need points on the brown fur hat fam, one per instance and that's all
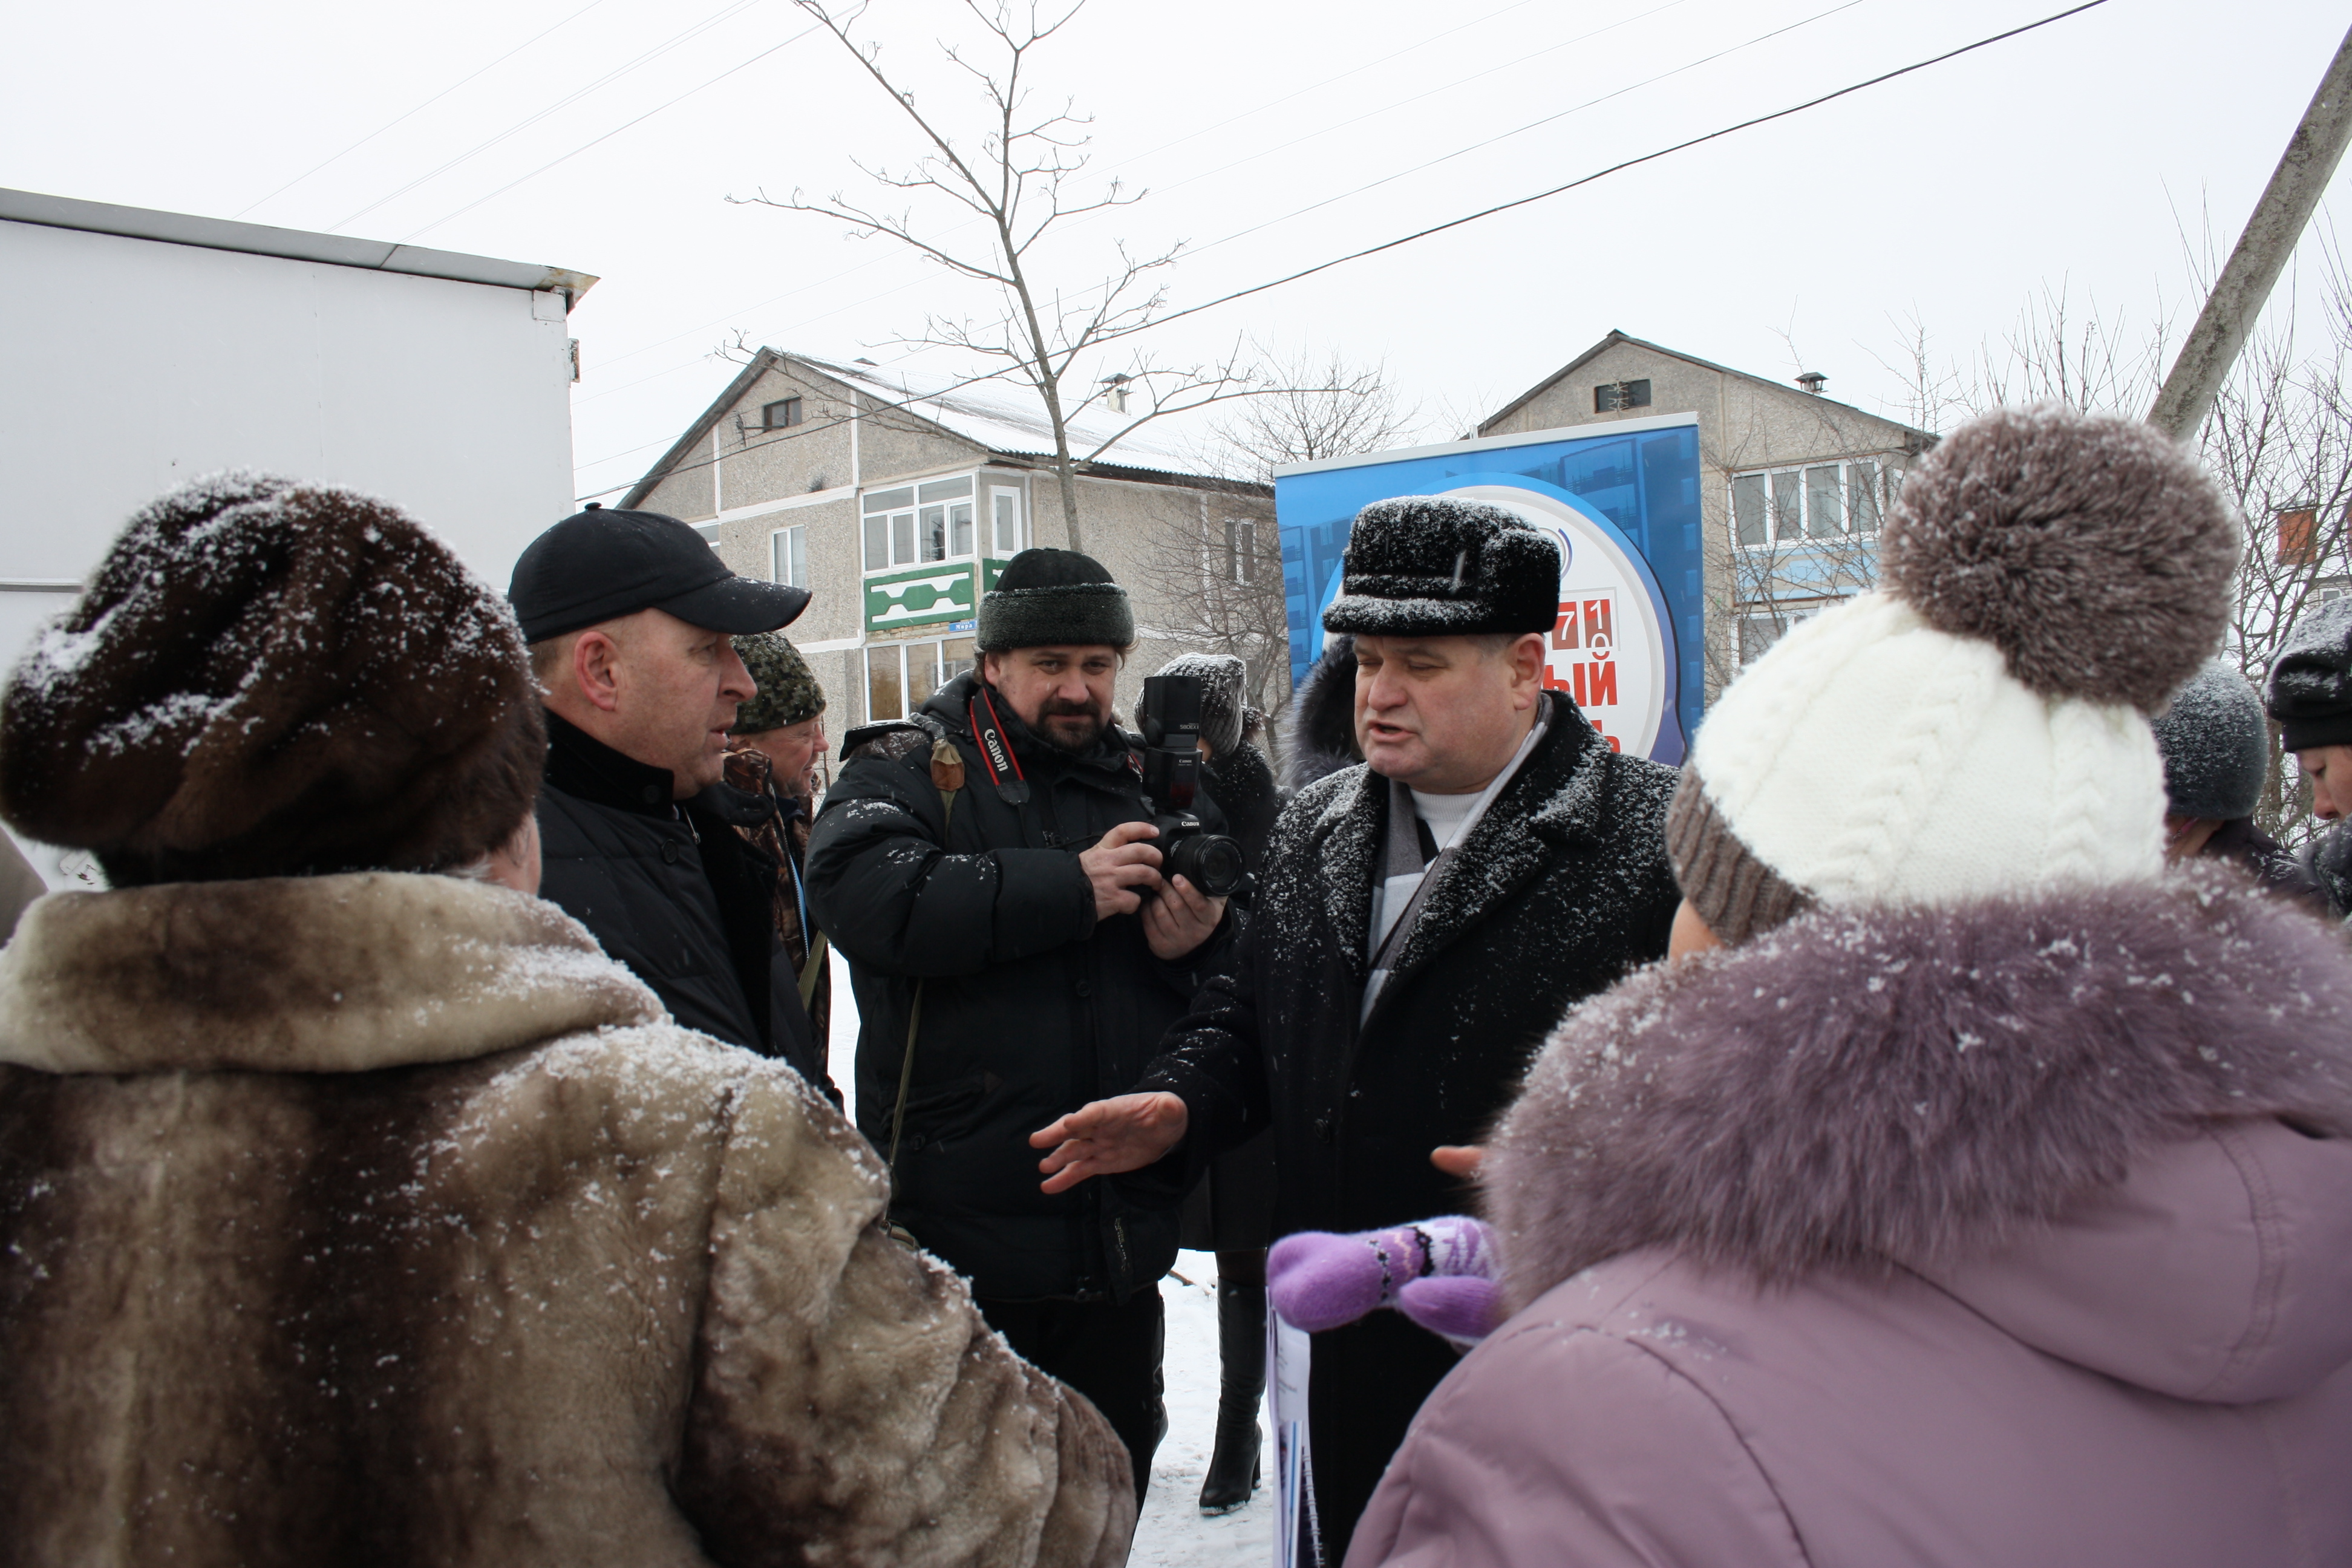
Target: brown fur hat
(269, 678)
(2093, 551)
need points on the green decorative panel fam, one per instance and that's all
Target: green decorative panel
(921, 597)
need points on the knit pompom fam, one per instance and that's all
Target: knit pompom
(2093, 551)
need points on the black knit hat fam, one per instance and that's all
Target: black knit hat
(2216, 748)
(1442, 566)
(1055, 598)
(2310, 691)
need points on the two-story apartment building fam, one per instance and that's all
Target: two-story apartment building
(1793, 484)
(897, 500)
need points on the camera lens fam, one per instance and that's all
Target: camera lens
(1211, 862)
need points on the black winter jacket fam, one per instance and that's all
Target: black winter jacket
(1031, 1007)
(673, 892)
(1560, 888)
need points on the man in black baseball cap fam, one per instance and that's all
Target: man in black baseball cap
(629, 617)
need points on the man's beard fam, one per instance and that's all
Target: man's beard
(1059, 739)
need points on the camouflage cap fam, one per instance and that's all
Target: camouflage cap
(788, 690)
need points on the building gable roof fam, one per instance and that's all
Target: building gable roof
(999, 421)
(1616, 337)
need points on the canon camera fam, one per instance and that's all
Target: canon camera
(1170, 721)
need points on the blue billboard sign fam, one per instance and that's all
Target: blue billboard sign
(1622, 500)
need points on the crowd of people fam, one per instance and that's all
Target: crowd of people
(1918, 1130)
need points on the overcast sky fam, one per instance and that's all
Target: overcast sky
(2072, 157)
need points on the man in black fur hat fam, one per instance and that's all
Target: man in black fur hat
(987, 868)
(1423, 918)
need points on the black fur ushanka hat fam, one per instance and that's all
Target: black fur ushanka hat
(1443, 566)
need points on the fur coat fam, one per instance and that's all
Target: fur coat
(381, 1219)
(2015, 1233)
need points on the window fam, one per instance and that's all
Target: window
(1005, 511)
(778, 414)
(2298, 536)
(917, 523)
(710, 531)
(789, 554)
(901, 677)
(1612, 395)
(1820, 500)
(1760, 624)
(1240, 550)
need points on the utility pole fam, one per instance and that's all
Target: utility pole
(2247, 277)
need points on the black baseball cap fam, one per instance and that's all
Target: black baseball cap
(598, 565)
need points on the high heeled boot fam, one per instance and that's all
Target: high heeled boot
(1241, 1356)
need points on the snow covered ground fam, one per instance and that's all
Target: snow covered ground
(1171, 1534)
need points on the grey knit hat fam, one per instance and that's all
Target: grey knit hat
(2217, 750)
(789, 691)
(1224, 717)
(1055, 598)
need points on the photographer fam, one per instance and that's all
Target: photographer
(988, 869)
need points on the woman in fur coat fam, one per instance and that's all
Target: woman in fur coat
(1969, 1190)
(355, 1208)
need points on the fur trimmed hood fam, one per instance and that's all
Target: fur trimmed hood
(1862, 1090)
(1321, 738)
(346, 973)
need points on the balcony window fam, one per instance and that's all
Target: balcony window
(915, 524)
(902, 676)
(1817, 501)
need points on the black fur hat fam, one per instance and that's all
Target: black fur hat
(1055, 597)
(2216, 747)
(1442, 566)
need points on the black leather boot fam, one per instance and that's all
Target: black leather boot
(1241, 1355)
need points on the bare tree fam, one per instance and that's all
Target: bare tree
(1320, 407)
(1216, 579)
(1020, 177)
(2278, 440)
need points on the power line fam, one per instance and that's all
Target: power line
(640, 120)
(418, 110)
(1149, 154)
(605, 81)
(1619, 167)
(1484, 212)
(1522, 130)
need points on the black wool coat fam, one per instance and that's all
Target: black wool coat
(1031, 1006)
(675, 893)
(1560, 888)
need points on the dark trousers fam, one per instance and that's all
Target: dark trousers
(1109, 1351)
(1364, 1384)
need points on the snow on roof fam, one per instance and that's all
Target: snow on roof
(1006, 416)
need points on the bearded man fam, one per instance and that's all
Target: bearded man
(986, 867)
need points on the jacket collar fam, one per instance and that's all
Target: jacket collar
(1556, 800)
(585, 768)
(1866, 1088)
(345, 973)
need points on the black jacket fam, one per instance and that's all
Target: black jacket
(1031, 1007)
(674, 893)
(1561, 887)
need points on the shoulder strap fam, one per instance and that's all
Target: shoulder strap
(946, 778)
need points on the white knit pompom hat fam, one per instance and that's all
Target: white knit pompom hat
(1977, 725)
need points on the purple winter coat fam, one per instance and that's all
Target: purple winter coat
(2012, 1235)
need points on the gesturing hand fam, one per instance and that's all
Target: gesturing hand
(1126, 1132)
(1180, 919)
(1117, 866)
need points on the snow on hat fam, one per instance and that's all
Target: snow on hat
(789, 692)
(2310, 691)
(1976, 726)
(1443, 566)
(1225, 716)
(270, 678)
(1046, 598)
(2216, 747)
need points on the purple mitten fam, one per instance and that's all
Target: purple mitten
(1321, 1281)
(1462, 1308)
